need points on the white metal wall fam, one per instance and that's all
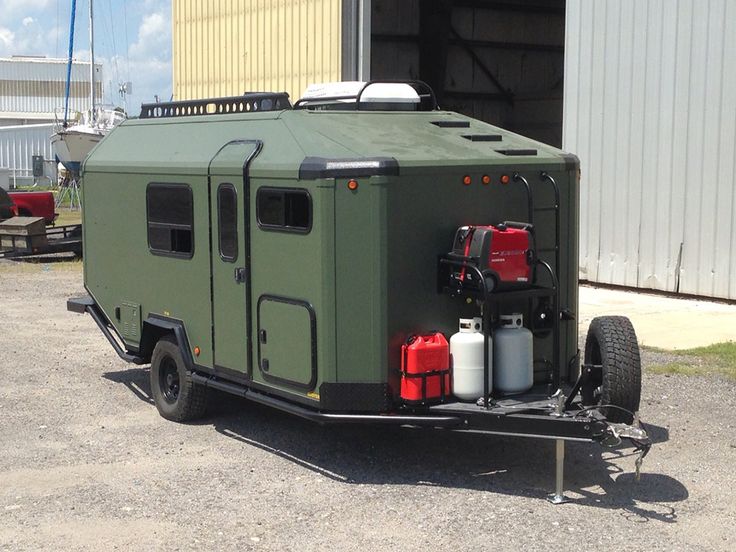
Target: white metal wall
(38, 86)
(650, 108)
(18, 144)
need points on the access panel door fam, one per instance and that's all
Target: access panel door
(230, 247)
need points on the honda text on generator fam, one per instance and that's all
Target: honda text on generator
(359, 257)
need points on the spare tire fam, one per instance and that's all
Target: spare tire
(612, 344)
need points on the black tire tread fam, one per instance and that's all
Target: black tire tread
(619, 350)
(192, 400)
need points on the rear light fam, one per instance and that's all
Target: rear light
(486, 179)
(352, 185)
(505, 179)
(467, 180)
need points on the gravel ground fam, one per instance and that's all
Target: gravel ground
(87, 463)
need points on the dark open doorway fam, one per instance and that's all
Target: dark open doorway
(499, 61)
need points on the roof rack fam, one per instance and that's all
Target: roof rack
(249, 102)
(427, 99)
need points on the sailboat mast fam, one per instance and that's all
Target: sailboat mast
(91, 63)
(69, 61)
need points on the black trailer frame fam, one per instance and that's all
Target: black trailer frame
(59, 239)
(534, 414)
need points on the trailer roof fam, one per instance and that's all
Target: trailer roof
(416, 140)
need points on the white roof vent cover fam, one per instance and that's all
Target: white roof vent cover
(378, 92)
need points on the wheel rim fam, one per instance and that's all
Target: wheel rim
(168, 380)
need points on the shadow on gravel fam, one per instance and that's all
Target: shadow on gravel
(136, 380)
(404, 456)
(378, 455)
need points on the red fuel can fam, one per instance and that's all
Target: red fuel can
(425, 369)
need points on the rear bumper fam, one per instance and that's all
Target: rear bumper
(86, 304)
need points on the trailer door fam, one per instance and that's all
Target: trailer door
(230, 250)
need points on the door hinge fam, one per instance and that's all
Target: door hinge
(240, 275)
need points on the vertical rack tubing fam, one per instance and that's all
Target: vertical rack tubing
(555, 325)
(530, 219)
(546, 176)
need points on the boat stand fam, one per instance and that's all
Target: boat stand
(70, 189)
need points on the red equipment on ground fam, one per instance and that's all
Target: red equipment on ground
(425, 369)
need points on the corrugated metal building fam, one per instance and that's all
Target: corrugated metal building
(226, 48)
(648, 100)
(650, 108)
(18, 145)
(33, 89)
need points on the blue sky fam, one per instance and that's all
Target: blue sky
(132, 40)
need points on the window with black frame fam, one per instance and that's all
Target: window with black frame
(170, 218)
(284, 209)
(227, 225)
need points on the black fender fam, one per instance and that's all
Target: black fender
(156, 326)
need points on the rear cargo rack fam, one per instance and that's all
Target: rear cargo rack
(250, 102)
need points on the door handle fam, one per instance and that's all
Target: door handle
(240, 274)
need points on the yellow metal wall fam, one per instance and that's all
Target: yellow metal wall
(227, 47)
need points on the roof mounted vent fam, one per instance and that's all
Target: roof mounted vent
(368, 96)
(452, 124)
(483, 137)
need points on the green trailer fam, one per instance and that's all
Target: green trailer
(285, 253)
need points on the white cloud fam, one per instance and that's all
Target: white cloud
(7, 39)
(150, 56)
(154, 36)
(29, 39)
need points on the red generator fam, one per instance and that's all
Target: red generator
(425, 369)
(503, 253)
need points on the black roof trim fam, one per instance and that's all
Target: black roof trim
(319, 167)
(517, 152)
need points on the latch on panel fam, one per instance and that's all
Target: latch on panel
(240, 274)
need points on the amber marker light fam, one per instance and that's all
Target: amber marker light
(197, 351)
(352, 185)
(467, 180)
(486, 179)
(505, 179)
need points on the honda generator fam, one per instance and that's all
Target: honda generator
(502, 253)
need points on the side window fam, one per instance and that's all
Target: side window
(170, 217)
(227, 217)
(284, 209)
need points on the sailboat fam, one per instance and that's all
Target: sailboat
(72, 141)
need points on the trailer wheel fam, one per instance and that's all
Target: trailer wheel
(176, 396)
(612, 344)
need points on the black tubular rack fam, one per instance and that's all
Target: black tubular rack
(427, 99)
(491, 300)
(250, 102)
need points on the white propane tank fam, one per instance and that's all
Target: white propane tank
(466, 349)
(513, 362)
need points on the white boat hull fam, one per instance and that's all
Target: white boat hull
(71, 147)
